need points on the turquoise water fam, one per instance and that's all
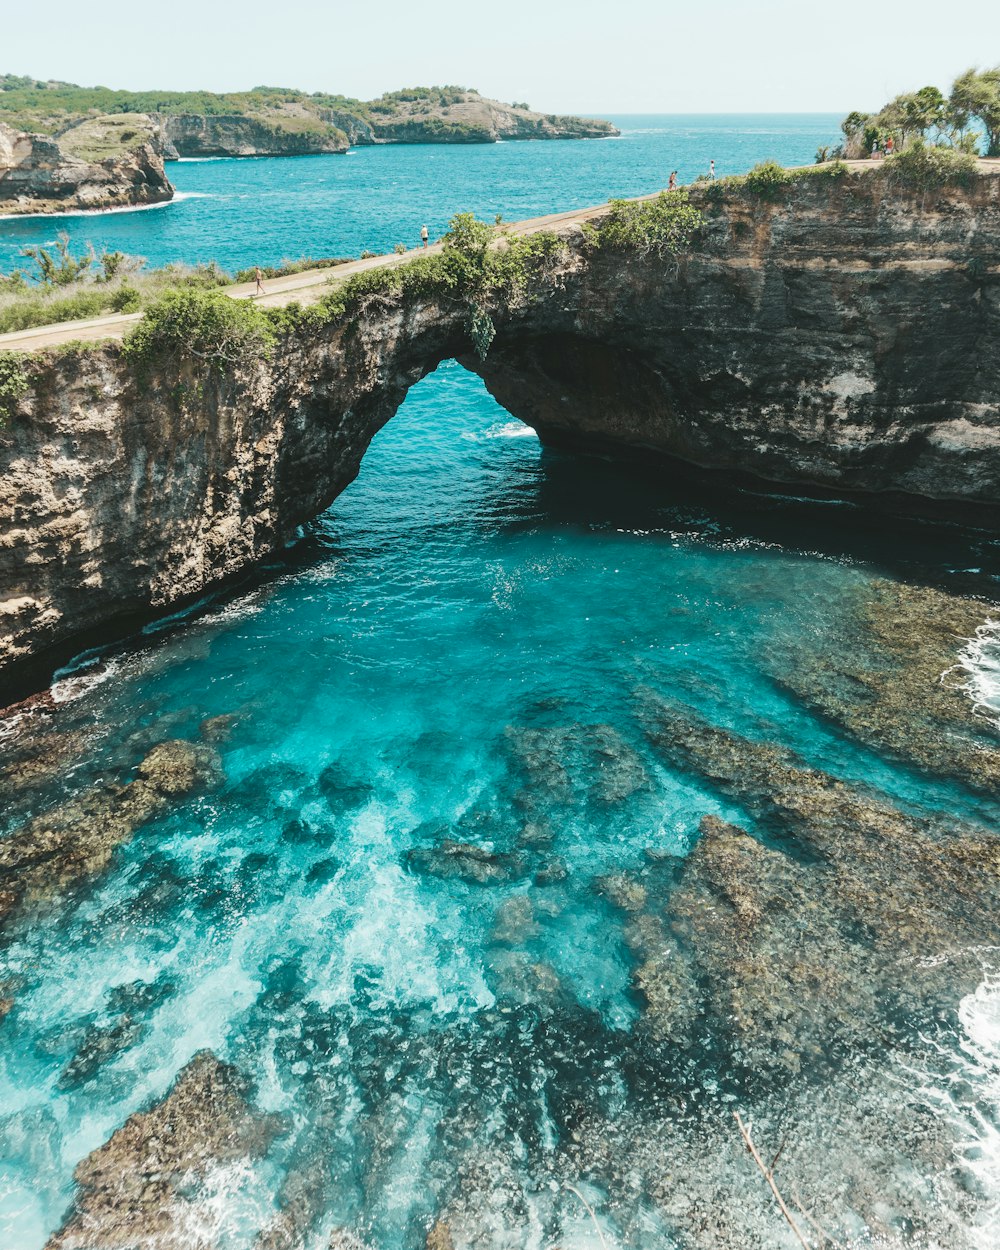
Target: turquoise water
(242, 212)
(454, 649)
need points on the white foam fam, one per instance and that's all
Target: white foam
(979, 661)
(104, 212)
(962, 1085)
(979, 1148)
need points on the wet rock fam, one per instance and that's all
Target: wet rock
(140, 997)
(552, 872)
(302, 1199)
(624, 890)
(178, 767)
(465, 862)
(133, 1192)
(75, 842)
(343, 789)
(515, 921)
(323, 871)
(807, 950)
(439, 1237)
(100, 1044)
(574, 764)
(301, 832)
(218, 728)
(885, 670)
(536, 833)
(342, 1239)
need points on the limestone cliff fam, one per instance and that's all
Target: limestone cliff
(471, 118)
(841, 336)
(110, 162)
(276, 134)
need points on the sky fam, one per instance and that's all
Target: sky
(580, 56)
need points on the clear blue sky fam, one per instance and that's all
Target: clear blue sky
(612, 56)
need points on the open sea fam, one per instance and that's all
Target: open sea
(470, 603)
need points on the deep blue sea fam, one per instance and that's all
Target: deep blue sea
(469, 594)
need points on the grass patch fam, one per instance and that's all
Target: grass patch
(62, 287)
(103, 138)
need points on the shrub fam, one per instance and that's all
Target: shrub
(661, 227)
(62, 268)
(400, 249)
(13, 384)
(205, 326)
(766, 179)
(926, 167)
(126, 300)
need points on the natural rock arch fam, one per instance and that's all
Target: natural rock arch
(842, 338)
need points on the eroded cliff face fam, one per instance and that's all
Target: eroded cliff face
(197, 134)
(841, 337)
(43, 175)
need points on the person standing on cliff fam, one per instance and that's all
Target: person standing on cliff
(711, 170)
(258, 277)
(672, 184)
(425, 236)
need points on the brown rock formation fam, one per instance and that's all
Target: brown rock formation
(75, 842)
(833, 338)
(133, 1190)
(102, 163)
(284, 134)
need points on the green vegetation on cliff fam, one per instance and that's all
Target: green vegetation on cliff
(662, 226)
(13, 383)
(415, 114)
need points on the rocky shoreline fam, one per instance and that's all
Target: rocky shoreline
(39, 174)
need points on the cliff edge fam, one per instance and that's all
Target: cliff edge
(102, 162)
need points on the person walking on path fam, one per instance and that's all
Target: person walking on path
(672, 184)
(874, 149)
(258, 278)
(425, 236)
(711, 170)
(890, 145)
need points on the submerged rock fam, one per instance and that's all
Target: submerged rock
(133, 1192)
(75, 841)
(885, 669)
(856, 918)
(465, 862)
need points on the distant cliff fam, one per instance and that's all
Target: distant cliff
(274, 121)
(108, 162)
(236, 134)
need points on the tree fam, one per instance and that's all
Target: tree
(976, 93)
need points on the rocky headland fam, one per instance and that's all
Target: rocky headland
(100, 163)
(277, 122)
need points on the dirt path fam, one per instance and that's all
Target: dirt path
(310, 285)
(303, 288)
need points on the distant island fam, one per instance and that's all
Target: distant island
(65, 147)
